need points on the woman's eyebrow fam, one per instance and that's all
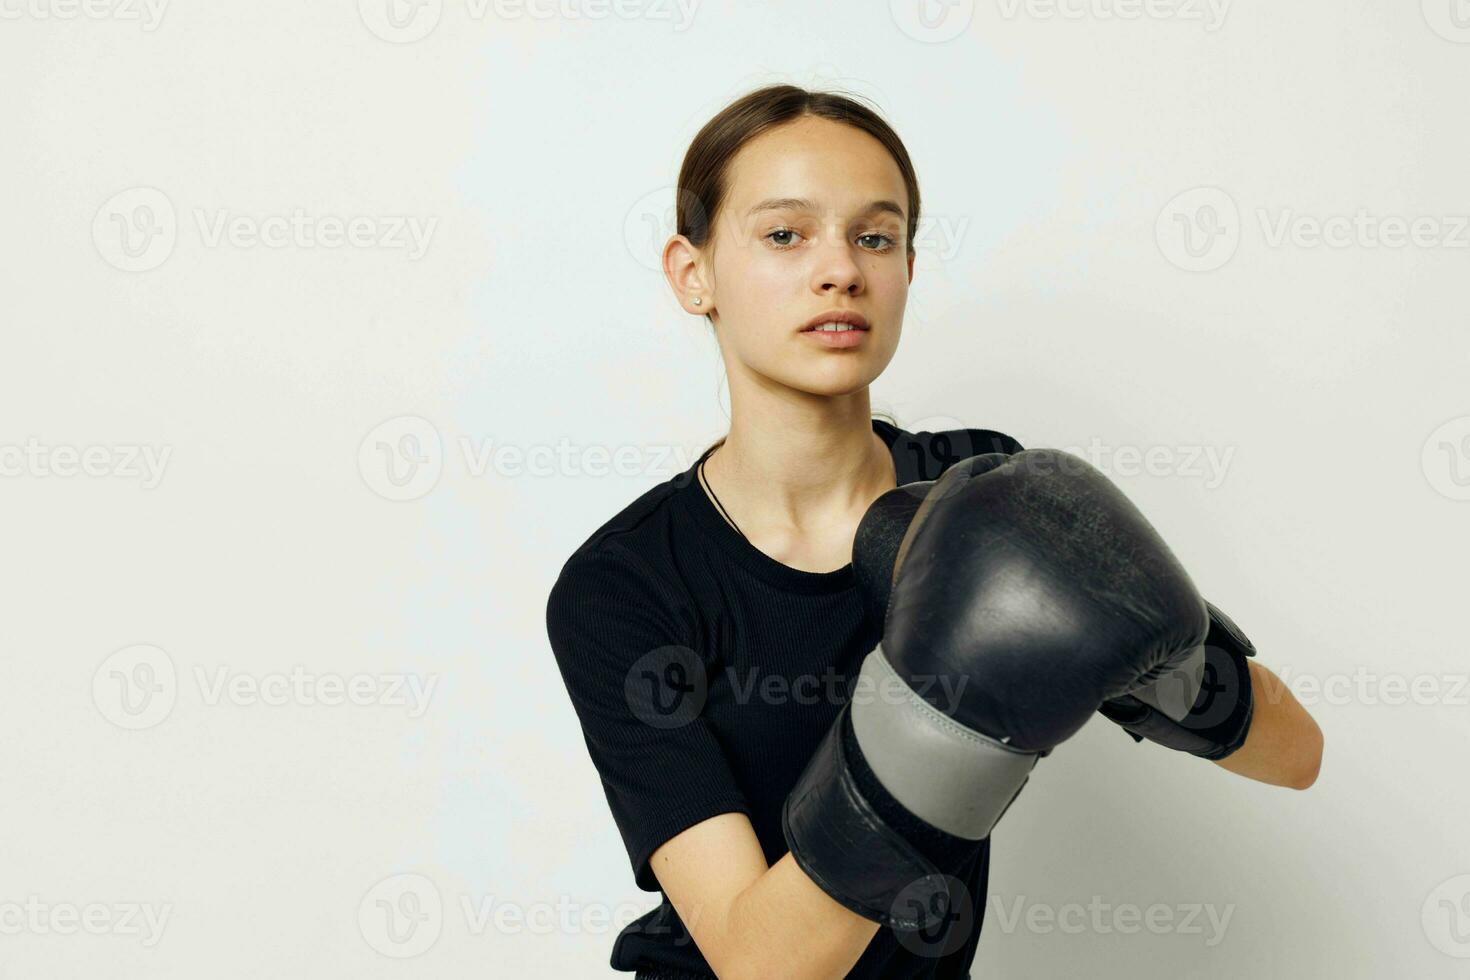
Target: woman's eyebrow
(802, 204)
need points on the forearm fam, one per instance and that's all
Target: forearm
(1284, 744)
(786, 926)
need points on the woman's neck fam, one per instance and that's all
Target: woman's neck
(806, 467)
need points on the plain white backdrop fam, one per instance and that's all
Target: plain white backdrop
(329, 330)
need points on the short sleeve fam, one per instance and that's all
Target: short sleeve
(622, 642)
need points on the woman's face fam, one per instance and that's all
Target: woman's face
(804, 231)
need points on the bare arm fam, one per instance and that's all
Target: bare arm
(750, 919)
(1284, 744)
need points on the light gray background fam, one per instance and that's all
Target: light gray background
(336, 428)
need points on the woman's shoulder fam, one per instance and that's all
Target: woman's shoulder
(633, 551)
(620, 593)
(617, 542)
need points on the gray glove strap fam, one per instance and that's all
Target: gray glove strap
(845, 846)
(951, 776)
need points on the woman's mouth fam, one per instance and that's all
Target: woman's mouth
(836, 336)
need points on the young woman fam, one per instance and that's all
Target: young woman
(709, 633)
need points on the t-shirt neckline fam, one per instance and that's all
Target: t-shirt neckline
(739, 549)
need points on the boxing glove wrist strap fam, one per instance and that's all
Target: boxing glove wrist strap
(945, 782)
(838, 838)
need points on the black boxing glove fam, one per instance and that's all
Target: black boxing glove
(1033, 590)
(1204, 707)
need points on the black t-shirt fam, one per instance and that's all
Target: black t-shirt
(704, 673)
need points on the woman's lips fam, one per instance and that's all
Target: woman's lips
(837, 339)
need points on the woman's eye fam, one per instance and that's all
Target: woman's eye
(877, 241)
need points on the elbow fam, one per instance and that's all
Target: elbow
(734, 964)
(1305, 779)
(738, 955)
(744, 971)
(748, 964)
(730, 953)
(1311, 765)
(755, 961)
